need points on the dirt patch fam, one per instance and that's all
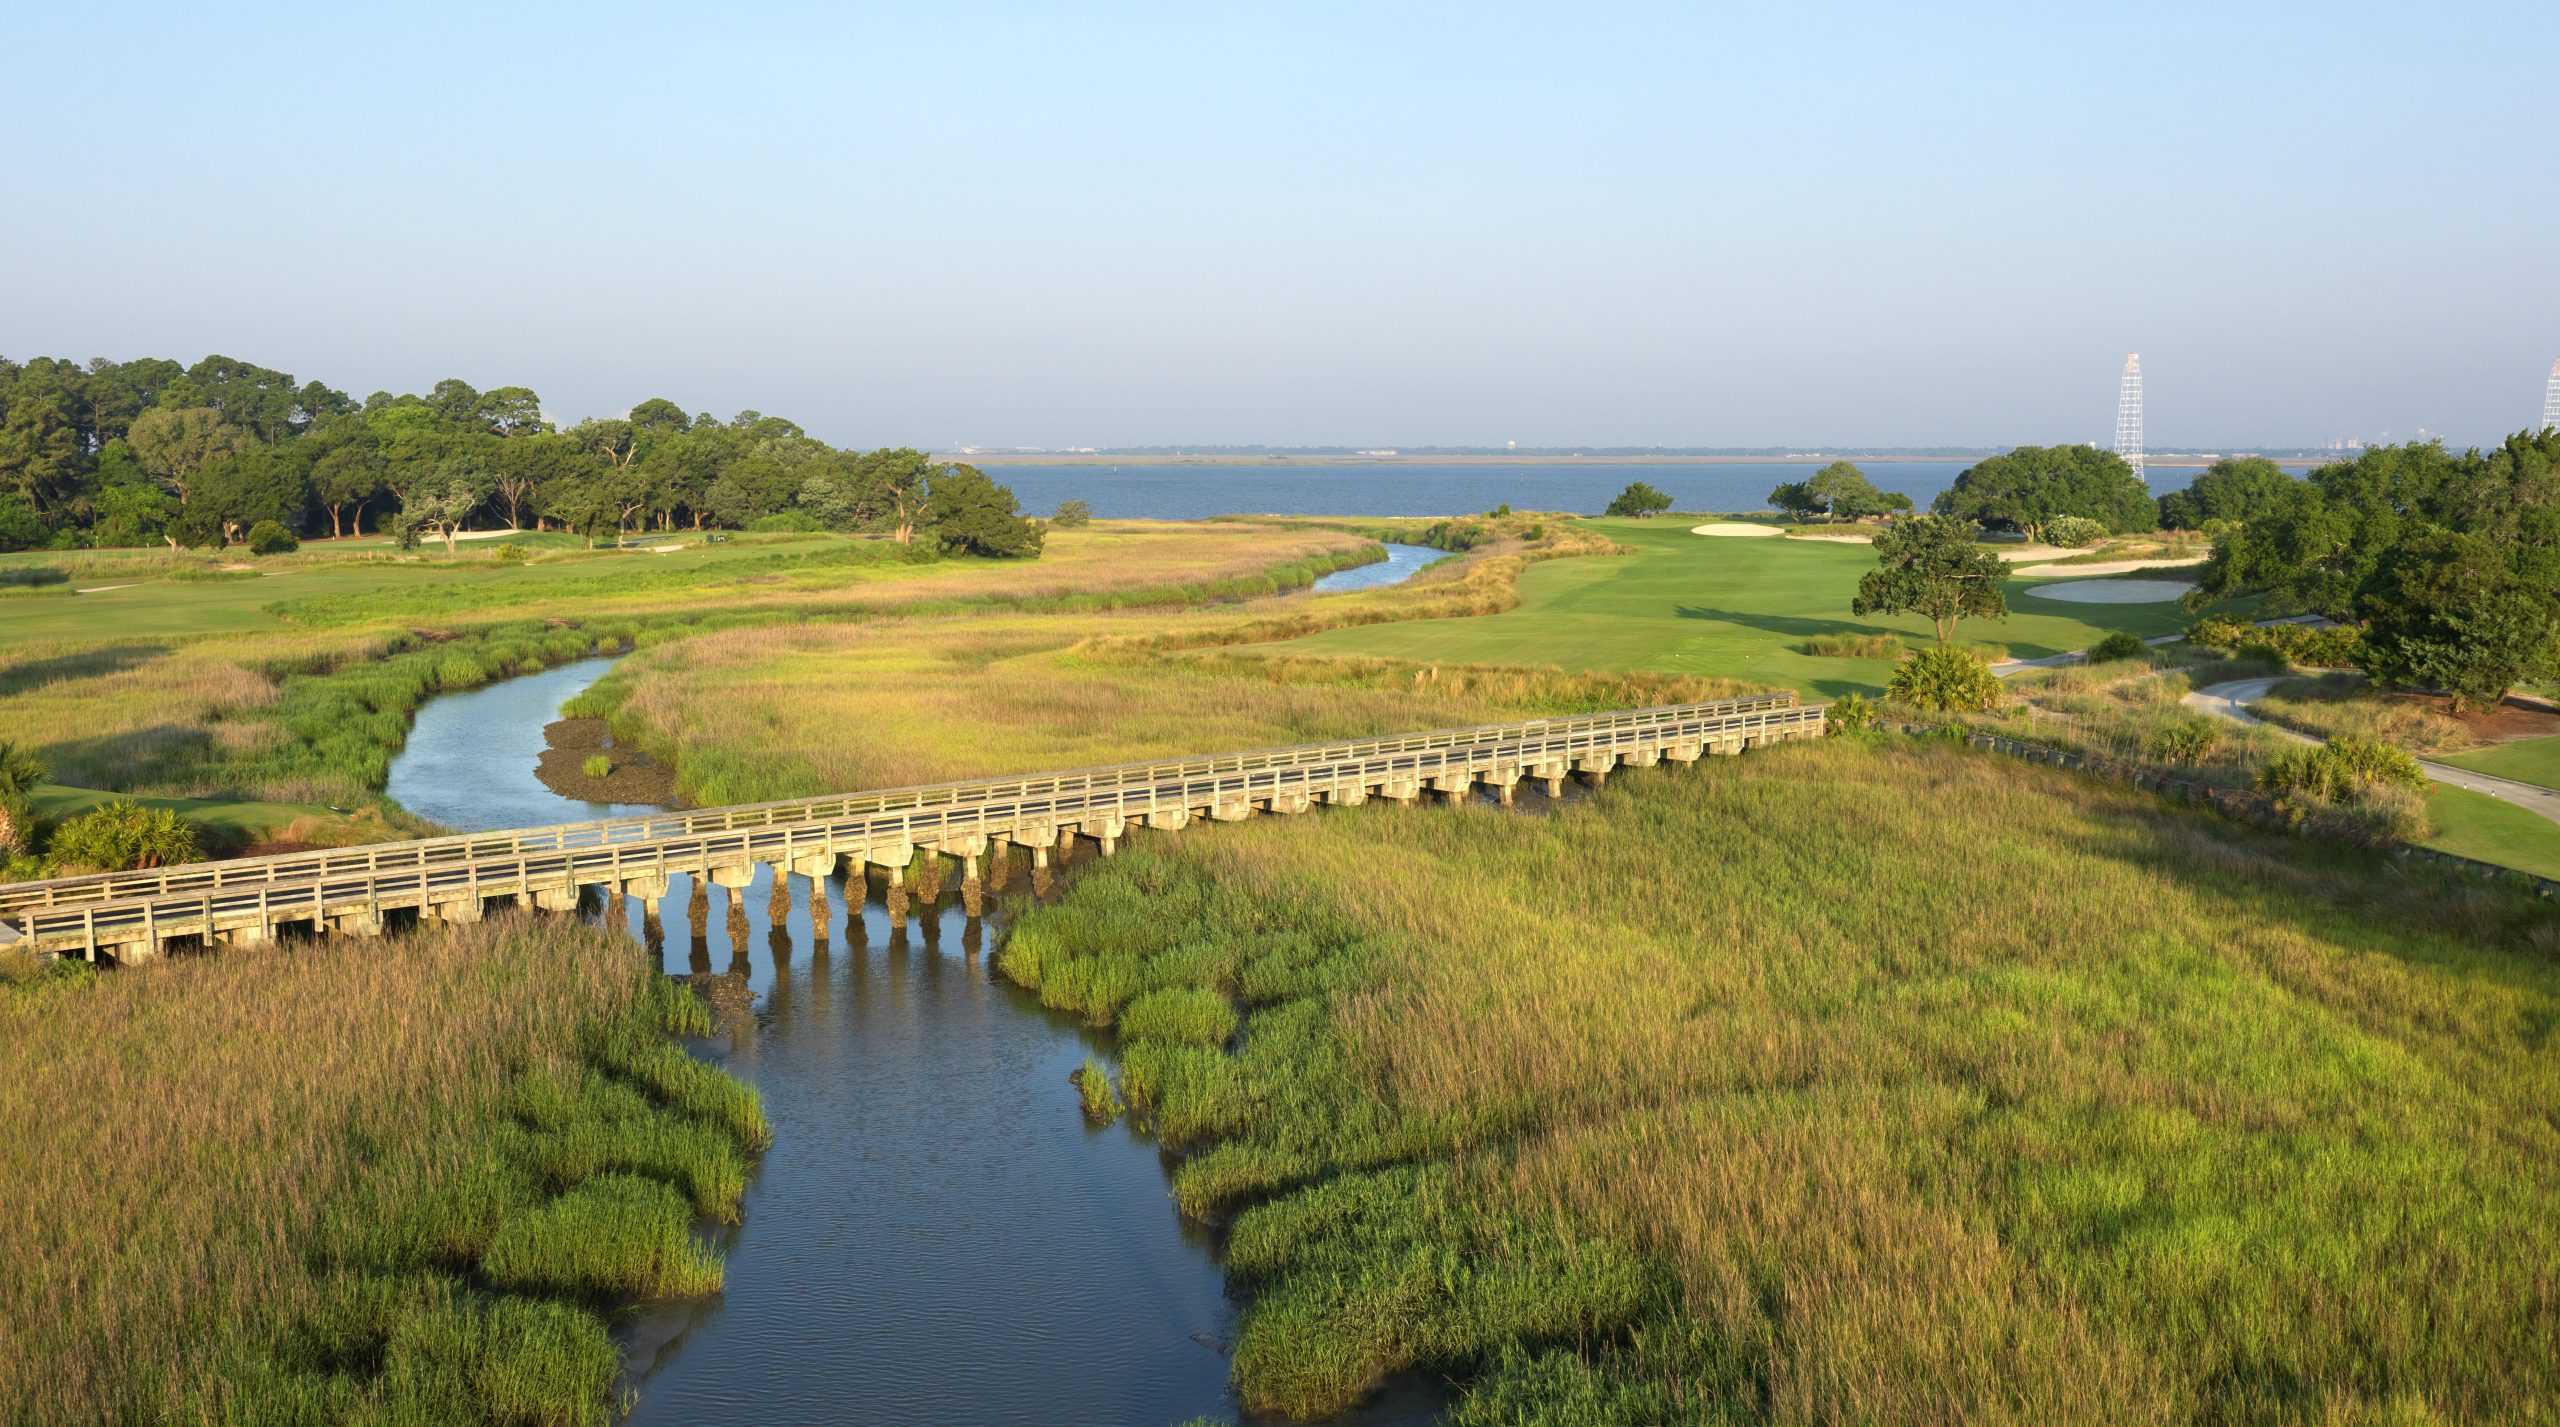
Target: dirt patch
(635, 776)
(2512, 720)
(276, 848)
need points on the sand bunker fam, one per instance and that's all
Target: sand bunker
(2113, 567)
(1733, 527)
(2112, 591)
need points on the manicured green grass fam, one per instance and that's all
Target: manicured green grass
(1865, 1081)
(2530, 760)
(221, 824)
(1730, 608)
(2488, 829)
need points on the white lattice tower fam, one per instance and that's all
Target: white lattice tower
(2129, 412)
(2551, 397)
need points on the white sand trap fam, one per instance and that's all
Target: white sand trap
(1733, 527)
(2113, 567)
(2112, 591)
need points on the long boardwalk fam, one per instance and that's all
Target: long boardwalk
(130, 915)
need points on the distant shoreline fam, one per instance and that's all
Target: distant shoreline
(1057, 458)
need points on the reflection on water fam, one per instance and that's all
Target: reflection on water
(1403, 562)
(937, 1235)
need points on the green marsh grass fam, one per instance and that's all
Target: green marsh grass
(1877, 1080)
(389, 1181)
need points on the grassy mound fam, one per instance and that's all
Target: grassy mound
(1879, 1082)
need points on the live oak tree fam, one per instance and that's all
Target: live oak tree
(1839, 491)
(969, 512)
(1639, 499)
(1935, 567)
(2027, 488)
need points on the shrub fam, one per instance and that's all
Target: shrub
(1944, 680)
(1850, 713)
(2118, 645)
(2076, 531)
(32, 575)
(269, 538)
(120, 837)
(2335, 646)
(1072, 513)
(1851, 646)
(598, 766)
(2337, 771)
(511, 555)
(2186, 741)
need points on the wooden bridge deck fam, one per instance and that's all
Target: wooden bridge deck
(349, 889)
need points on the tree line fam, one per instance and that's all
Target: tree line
(133, 453)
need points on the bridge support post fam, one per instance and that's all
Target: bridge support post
(929, 877)
(777, 903)
(1040, 878)
(558, 899)
(973, 896)
(999, 863)
(366, 923)
(254, 934)
(897, 896)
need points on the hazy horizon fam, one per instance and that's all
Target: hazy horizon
(1634, 226)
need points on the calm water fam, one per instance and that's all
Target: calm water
(1403, 562)
(937, 1235)
(1176, 492)
(470, 757)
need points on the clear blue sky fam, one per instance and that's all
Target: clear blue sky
(1310, 224)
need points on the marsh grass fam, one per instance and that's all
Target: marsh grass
(764, 714)
(314, 712)
(391, 1181)
(2346, 706)
(1939, 1088)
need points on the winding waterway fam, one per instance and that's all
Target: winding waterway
(937, 1235)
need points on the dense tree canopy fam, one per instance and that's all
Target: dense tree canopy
(2234, 490)
(2451, 563)
(1839, 491)
(2027, 488)
(127, 453)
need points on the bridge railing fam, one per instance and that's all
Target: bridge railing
(928, 809)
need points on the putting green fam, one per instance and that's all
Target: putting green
(1737, 609)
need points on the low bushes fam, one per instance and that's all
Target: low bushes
(2076, 532)
(2118, 646)
(1851, 646)
(1944, 680)
(2335, 646)
(269, 538)
(120, 837)
(2350, 785)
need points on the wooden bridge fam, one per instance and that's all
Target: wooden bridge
(129, 915)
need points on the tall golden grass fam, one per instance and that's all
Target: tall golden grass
(219, 1165)
(798, 711)
(1877, 1083)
